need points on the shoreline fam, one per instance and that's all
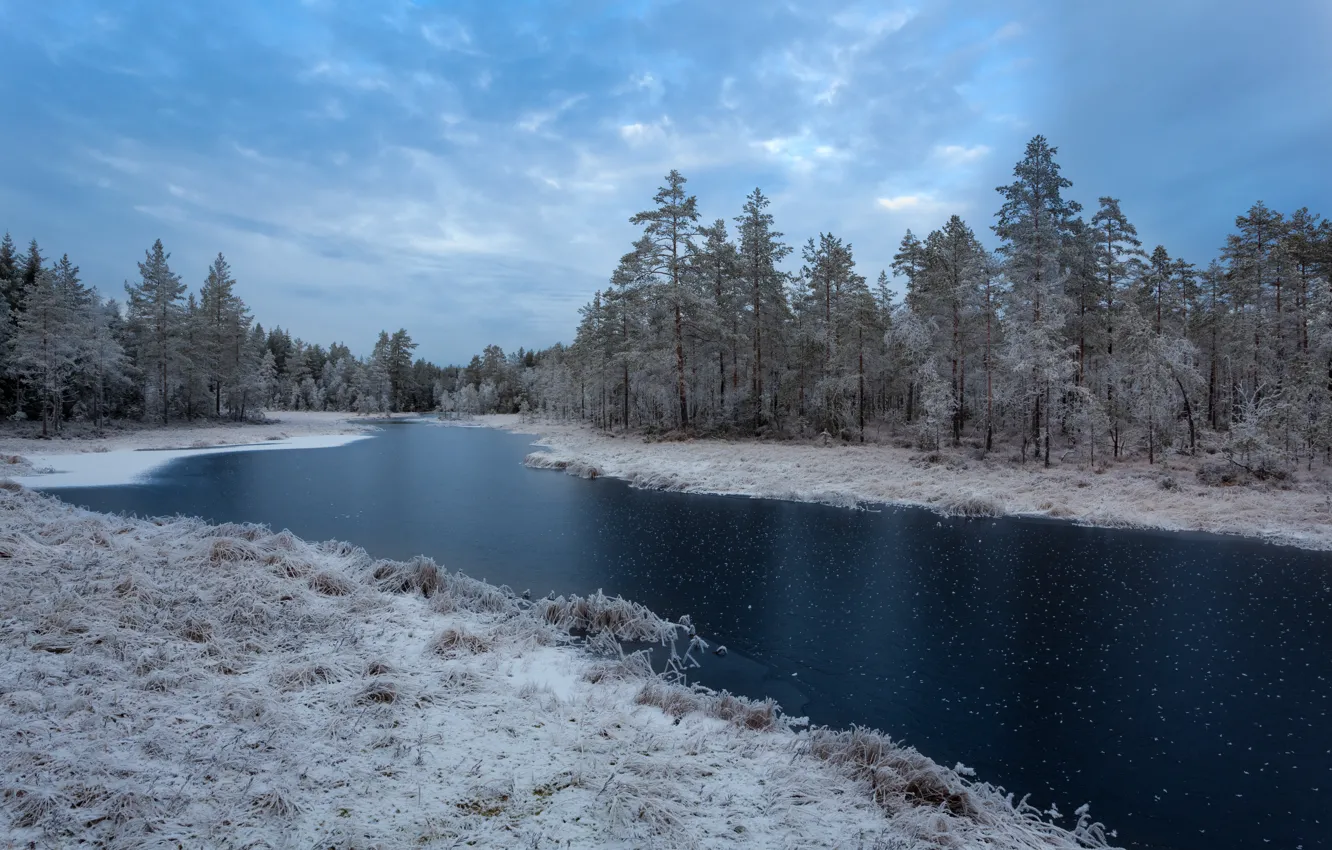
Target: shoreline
(1166, 497)
(231, 686)
(129, 451)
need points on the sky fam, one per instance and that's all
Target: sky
(467, 170)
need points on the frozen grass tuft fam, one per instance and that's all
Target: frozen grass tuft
(275, 804)
(971, 505)
(380, 691)
(618, 617)
(169, 683)
(574, 467)
(330, 584)
(453, 642)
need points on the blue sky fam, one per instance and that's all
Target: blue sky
(467, 169)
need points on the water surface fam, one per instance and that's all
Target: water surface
(1179, 682)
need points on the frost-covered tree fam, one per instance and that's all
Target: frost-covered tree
(1034, 225)
(224, 332)
(662, 256)
(45, 347)
(761, 250)
(156, 316)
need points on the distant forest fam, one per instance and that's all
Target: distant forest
(1070, 340)
(69, 354)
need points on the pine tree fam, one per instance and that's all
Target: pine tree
(1119, 259)
(44, 344)
(225, 330)
(717, 264)
(760, 250)
(157, 315)
(399, 364)
(1034, 223)
(663, 254)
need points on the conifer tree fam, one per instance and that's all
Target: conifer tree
(156, 315)
(663, 255)
(1034, 223)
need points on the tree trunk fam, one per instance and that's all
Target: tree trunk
(680, 369)
(1188, 412)
(860, 344)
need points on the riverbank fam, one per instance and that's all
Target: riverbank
(171, 682)
(1168, 495)
(23, 438)
(81, 457)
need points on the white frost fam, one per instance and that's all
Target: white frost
(106, 469)
(170, 683)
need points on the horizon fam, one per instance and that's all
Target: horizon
(470, 176)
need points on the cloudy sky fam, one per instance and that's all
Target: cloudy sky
(467, 169)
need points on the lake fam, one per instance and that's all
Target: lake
(1179, 682)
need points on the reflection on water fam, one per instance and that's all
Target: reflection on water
(1179, 682)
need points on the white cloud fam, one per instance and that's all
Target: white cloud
(872, 23)
(904, 202)
(639, 133)
(532, 122)
(650, 83)
(958, 155)
(447, 35)
(801, 152)
(922, 210)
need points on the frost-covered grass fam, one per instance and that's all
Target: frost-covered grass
(169, 683)
(1170, 495)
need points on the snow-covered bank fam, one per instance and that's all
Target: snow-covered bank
(1166, 496)
(103, 469)
(129, 452)
(22, 439)
(169, 683)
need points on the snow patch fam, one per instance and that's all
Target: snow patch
(109, 469)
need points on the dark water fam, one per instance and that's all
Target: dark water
(1181, 683)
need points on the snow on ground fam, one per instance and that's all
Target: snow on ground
(167, 683)
(1166, 495)
(126, 452)
(23, 439)
(103, 469)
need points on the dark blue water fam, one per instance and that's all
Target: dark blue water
(1179, 682)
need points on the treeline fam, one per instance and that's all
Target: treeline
(1070, 340)
(67, 353)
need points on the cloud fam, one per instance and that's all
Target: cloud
(638, 133)
(533, 122)
(448, 35)
(905, 202)
(958, 155)
(477, 169)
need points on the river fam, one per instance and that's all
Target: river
(1179, 682)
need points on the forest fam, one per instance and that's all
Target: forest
(70, 354)
(1068, 341)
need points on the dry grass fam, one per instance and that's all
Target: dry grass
(187, 689)
(971, 506)
(453, 642)
(330, 584)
